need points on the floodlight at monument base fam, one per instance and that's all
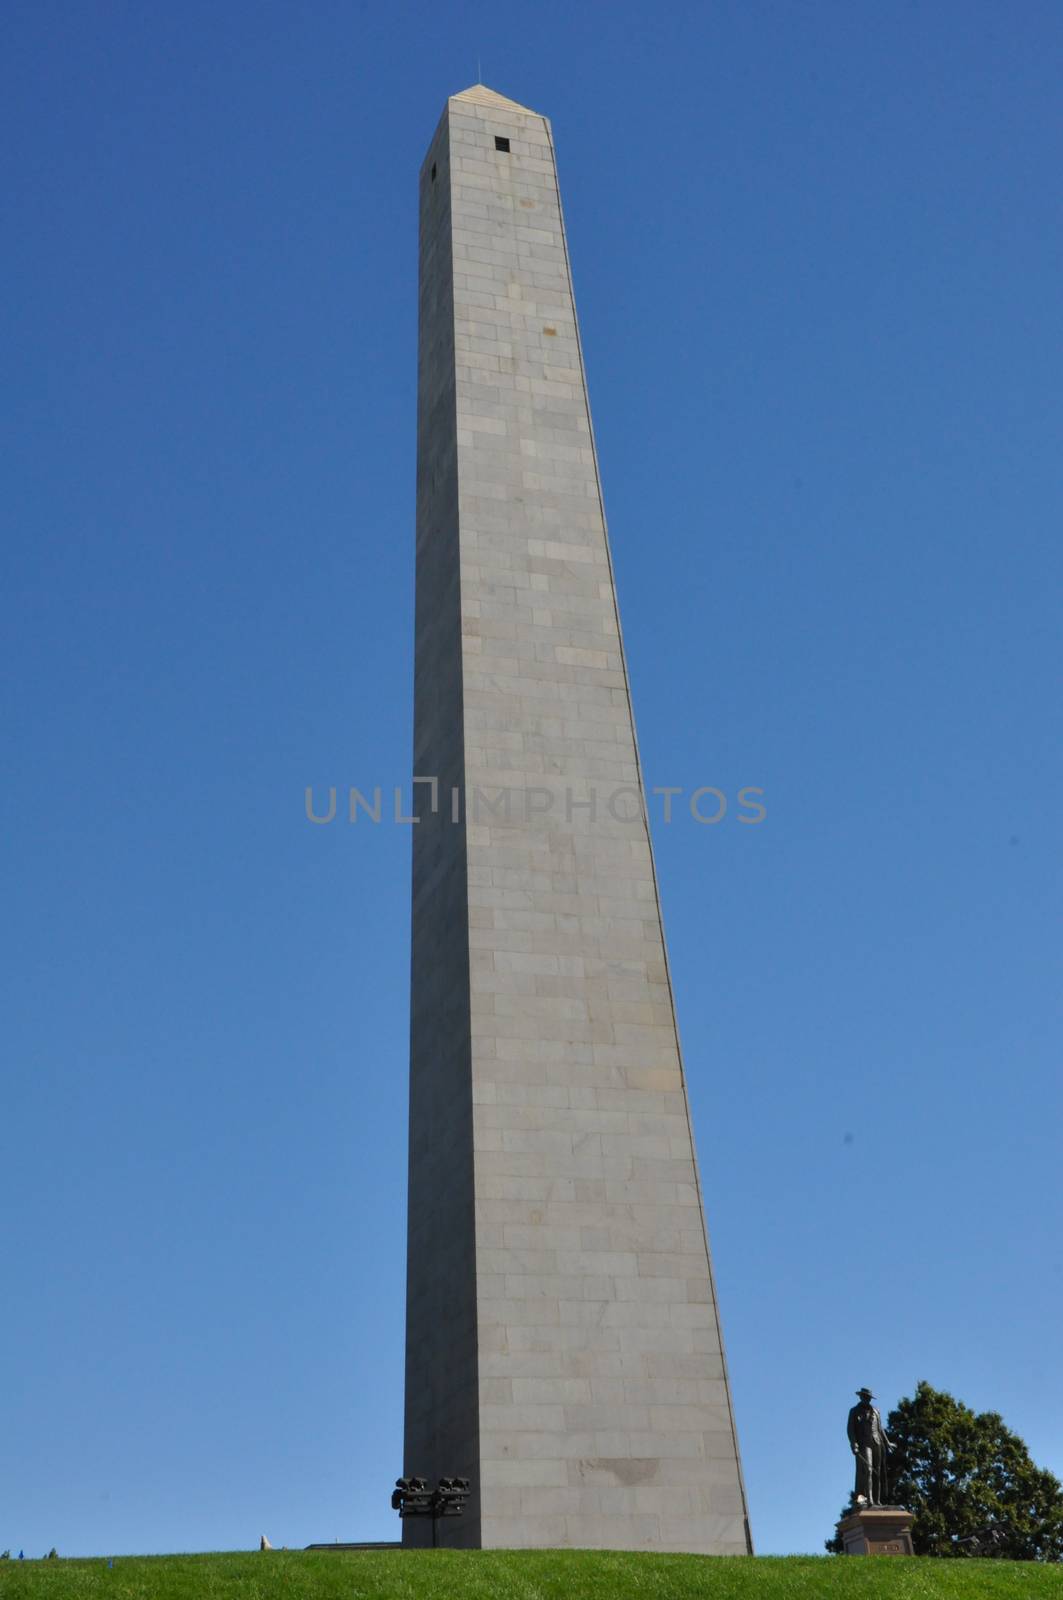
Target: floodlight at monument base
(412, 1497)
(452, 1494)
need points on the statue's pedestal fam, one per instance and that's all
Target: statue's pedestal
(877, 1531)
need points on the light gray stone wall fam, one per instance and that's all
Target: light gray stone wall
(602, 1409)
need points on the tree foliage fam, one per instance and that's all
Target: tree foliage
(969, 1482)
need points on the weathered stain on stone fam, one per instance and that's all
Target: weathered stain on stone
(627, 1470)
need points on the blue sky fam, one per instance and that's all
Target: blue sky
(817, 251)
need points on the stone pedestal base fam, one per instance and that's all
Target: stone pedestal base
(877, 1531)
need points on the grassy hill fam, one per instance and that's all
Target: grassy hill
(523, 1575)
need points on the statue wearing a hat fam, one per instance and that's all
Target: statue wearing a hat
(869, 1443)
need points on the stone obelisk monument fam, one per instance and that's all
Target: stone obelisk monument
(563, 1342)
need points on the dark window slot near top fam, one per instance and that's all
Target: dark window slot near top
(500, 143)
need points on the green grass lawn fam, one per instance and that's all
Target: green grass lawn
(522, 1575)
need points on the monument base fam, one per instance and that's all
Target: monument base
(877, 1531)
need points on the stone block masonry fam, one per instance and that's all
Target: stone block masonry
(563, 1341)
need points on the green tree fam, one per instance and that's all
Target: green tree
(962, 1473)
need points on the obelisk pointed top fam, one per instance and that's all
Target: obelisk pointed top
(481, 95)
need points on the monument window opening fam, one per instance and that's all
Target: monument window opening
(433, 172)
(500, 143)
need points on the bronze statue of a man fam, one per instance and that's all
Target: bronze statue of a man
(869, 1443)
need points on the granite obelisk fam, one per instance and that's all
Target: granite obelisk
(563, 1342)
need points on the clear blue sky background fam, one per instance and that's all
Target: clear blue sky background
(818, 258)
